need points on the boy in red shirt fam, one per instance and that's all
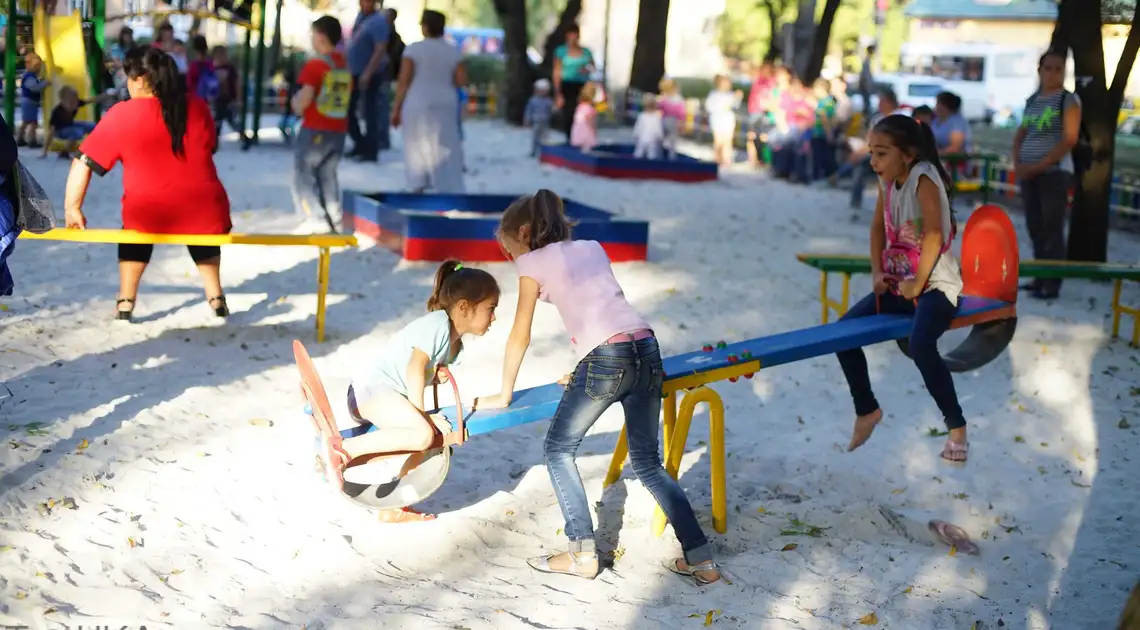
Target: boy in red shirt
(321, 101)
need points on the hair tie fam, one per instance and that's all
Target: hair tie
(458, 266)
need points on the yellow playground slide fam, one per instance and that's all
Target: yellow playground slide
(59, 42)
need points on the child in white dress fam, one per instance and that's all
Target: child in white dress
(648, 130)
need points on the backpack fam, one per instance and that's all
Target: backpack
(209, 87)
(1081, 153)
(336, 88)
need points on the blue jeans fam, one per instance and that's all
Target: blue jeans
(75, 131)
(369, 106)
(822, 157)
(629, 373)
(859, 182)
(316, 190)
(932, 317)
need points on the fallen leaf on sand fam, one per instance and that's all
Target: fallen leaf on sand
(1123, 424)
(21, 595)
(618, 553)
(131, 543)
(175, 571)
(908, 589)
(789, 547)
(761, 510)
(7, 548)
(1019, 439)
(510, 512)
(708, 615)
(953, 552)
(82, 445)
(4, 307)
(869, 619)
(898, 490)
(261, 422)
(1079, 484)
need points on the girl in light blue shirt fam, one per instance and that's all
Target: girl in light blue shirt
(388, 393)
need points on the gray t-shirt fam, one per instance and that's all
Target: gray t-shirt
(906, 214)
(1044, 125)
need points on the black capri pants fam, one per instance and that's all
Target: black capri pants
(141, 252)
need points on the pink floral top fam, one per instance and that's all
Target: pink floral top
(583, 133)
(673, 107)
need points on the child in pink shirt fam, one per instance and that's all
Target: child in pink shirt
(584, 131)
(620, 362)
(673, 114)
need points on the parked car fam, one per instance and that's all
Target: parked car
(912, 90)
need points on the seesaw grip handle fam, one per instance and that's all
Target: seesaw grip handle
(461, 423)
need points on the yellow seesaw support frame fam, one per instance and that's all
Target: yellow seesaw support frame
(677, 424)
(323, 242)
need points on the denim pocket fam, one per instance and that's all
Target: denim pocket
(602, 381)
(657, 379)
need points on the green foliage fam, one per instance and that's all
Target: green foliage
(540, 14)
(485, 69)
(744, 31)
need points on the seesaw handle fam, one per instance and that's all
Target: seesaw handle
(461, 423)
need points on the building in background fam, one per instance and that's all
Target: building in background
(987, 40)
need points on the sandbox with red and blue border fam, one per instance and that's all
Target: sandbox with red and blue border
(616, 161)
(436, 227)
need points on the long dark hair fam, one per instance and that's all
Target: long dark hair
(543, 212)
(455, 282)
(168, 86)
(915, 137)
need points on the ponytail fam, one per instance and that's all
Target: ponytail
(168, 86)
(928, 152)
(545, 215)
(455, 282)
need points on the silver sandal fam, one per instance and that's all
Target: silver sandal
(692, 571)
(578, 566)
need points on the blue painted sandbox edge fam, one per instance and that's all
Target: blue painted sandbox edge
(622, 158)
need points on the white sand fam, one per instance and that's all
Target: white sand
(175, 505)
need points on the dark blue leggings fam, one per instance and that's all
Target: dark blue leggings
(932, 317)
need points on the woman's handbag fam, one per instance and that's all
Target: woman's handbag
(34, 210)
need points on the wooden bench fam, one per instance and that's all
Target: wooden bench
(848, 265)
(323, 242)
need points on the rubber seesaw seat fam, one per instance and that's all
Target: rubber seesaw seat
(989, 270)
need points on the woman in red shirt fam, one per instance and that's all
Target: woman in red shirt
(165, 139)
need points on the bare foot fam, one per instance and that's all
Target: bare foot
(404, 515)
(864, 426)
(704, 576)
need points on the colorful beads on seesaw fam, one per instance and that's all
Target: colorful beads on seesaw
(746, 355)
(732, 379)
(721, 345)
(707, 348)
(732, 358)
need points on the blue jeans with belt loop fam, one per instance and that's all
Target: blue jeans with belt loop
(630, 373)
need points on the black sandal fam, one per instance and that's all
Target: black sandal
(124, 315)
(221, 310)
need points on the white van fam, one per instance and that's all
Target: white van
(988, 77)
(912, 90)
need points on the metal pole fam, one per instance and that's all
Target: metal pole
(606, 51)
(246, 66)
(259, 71)
(10, 66)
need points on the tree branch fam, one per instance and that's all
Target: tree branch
(1124, 66)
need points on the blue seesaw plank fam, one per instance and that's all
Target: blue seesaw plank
(540, 403)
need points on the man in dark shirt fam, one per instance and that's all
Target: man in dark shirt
(395, 46)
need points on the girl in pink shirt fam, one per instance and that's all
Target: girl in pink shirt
(673, 114)
(619, 362)
(584, 131)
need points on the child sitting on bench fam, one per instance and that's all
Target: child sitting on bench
(388, 392)
(62, 123)
(913, 270)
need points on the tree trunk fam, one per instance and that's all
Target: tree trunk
(649, 49)
(557, 37)
(820, 41)
(1079, 27)
(519, 73)
(774, 48)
